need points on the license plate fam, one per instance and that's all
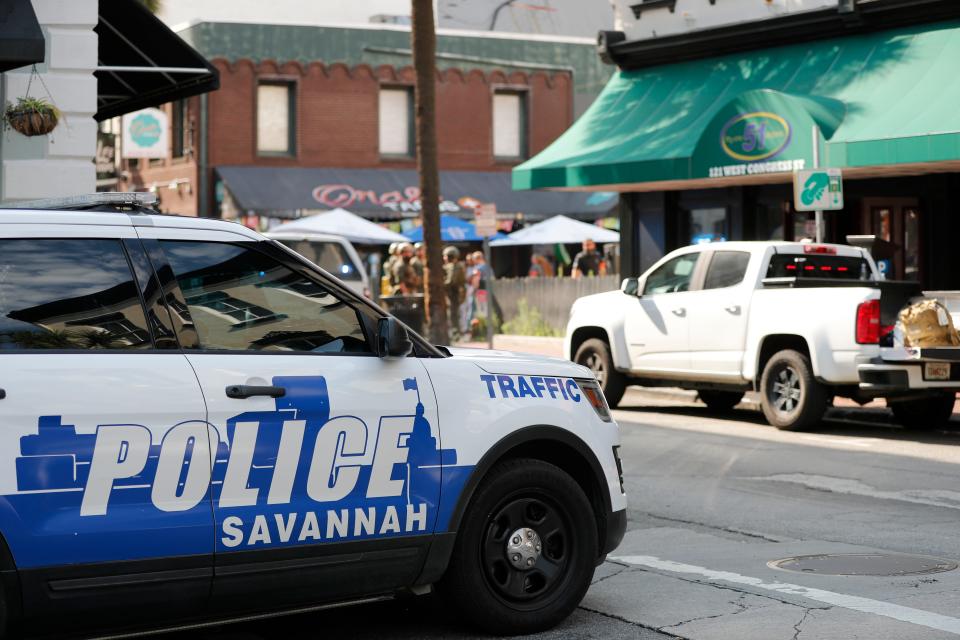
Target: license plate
(936, 370)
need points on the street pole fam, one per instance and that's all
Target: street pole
(489, 279)
(816, 165)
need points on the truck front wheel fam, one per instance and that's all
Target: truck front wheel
(925, 413)
(791, 398)
(595, 355)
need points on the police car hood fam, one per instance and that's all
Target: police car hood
(510, 363)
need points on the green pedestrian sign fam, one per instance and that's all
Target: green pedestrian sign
(818, 190)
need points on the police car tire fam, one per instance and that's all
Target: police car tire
(614, 383)
(470, 584)
(811, 403)
(926, 413)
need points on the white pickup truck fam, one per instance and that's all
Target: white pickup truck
(791, 320)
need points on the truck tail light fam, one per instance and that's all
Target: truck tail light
(868, 322)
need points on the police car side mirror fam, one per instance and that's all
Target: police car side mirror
(630, 286)
(392, 339)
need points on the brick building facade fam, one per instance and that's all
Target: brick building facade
(352, 109)
(335, 121)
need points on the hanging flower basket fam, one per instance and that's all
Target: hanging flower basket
(31, 116)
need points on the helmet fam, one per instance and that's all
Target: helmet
(417, 246)
(404, 247)
(393, 248)
(451, 252)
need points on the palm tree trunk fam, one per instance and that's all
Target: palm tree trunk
(424, 45)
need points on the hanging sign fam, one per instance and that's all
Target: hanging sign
(486, 219)
(145, 134)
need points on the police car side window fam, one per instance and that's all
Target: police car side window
(243, 300)
(69, 294)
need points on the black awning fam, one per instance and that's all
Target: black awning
(392, 194)
(21, 39)
(143, 63)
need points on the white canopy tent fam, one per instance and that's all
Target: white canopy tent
(340, 222)
(558, 230)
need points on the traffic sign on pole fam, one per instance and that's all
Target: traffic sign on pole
(818, 190)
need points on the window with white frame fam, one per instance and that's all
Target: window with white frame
(275, 118)
(396, 121)
(509, 125)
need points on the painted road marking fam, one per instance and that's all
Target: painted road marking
(856, 603)
(931, 497)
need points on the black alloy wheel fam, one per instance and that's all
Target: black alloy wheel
(525, 550)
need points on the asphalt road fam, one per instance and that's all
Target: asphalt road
(712, 501)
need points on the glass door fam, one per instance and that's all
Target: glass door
(897, 221)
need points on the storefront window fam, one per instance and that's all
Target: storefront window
(804, 226)
(708, 225)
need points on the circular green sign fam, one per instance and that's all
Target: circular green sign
(750, 137)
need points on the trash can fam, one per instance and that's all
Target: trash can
(408, 309)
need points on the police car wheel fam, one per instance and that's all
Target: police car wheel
(595, 355)
(525, 554)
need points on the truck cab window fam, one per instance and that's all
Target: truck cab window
(673, 276)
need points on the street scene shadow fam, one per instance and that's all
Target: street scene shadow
(839, 421)
(404, 618)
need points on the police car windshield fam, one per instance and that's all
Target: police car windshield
(330, 256)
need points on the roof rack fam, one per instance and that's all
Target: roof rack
(127, 201)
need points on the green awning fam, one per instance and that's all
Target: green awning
(881, 100)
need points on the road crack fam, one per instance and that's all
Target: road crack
(633, 623)
(740, 532)
(612, 575)
(739, 603)
(727, 588)
(796, 627)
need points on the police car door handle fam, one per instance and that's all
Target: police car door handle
(243, 391)
(734, 309)
(3, 394)
(681, 312)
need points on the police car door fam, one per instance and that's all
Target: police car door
(326, 451)
(105, 453)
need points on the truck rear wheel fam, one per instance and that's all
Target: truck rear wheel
(791, 398)
(595, 355)
(525, 552)
(924, 413)
(720, 401)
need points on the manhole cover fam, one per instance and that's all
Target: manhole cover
(863, 564)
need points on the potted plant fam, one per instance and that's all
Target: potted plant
(31, 116)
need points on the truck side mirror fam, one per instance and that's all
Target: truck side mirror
(392, 339)
(630, 286)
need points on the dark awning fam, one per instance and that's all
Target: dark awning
(143, 63)
(21, 39)
(385, 194)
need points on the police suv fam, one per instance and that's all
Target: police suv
(197, 424)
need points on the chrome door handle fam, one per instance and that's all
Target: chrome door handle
(734, 309)
(679, 312)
